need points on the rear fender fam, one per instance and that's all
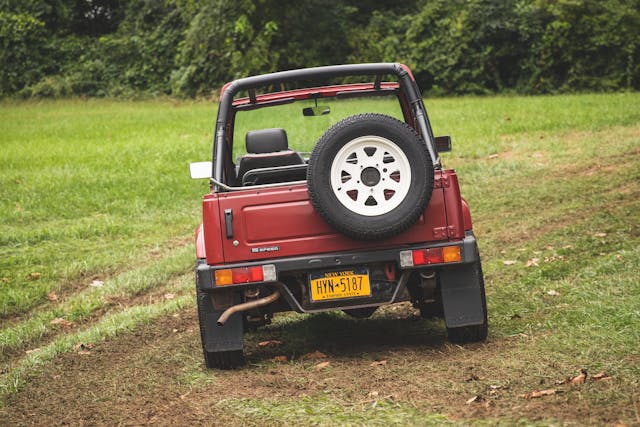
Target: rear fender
(211, 230)
(201, 249)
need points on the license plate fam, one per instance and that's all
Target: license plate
(339, 284)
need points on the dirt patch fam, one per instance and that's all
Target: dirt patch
(155, 375)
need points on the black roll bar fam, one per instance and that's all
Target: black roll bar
(316, 73)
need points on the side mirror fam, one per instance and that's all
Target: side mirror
(443, 143)
(321, 110)
(200, 170)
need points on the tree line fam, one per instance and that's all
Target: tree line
(187, 48)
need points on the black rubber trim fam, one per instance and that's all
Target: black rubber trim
(342, 259)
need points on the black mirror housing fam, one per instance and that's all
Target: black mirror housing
(321, 110)
(443, 143)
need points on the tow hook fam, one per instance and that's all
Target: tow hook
(247, 306)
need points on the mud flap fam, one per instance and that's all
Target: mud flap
(462, 290)
(224, 338)
(219, 338)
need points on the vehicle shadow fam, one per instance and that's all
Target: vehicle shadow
(339, 335)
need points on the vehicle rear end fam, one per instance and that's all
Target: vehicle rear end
(266, 247)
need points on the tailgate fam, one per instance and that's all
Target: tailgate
(281, 222)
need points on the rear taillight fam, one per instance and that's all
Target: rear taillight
(234, 276)
(428, 256)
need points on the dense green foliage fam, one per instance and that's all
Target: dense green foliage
(191, 47)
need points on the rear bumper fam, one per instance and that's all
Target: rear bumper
(468, 247)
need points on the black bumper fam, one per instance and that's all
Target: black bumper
(469, 252)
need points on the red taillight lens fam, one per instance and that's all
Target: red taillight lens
(427, 256)
(240, 275)
(256, 274)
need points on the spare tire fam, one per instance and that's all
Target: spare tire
(370, 176)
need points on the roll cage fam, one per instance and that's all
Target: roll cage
(406, 88)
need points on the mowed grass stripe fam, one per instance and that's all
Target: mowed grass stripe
(91, 188)
(80, 306)
(109, 326)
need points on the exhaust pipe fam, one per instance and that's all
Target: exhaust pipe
(247, 306)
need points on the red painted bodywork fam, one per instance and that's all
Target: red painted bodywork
(283, 217)
(466, 215)
(201, 249)
(281, 222)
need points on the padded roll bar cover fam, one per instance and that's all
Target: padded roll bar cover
(266, 141)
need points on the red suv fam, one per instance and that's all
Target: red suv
(369, 217)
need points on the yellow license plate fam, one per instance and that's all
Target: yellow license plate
(339, 284)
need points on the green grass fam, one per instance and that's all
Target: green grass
(99, 190)
(89, 188)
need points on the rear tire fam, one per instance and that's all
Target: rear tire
(467, 334)
(223, 359)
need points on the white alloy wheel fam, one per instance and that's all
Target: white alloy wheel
(370, 175)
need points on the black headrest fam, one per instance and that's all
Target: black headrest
(266, 141)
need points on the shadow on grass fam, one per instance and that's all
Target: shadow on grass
(339, 335)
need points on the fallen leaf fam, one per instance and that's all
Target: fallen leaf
(33, 276)
(321, 365)
(600, 234)
(553, 293)
(62, 322)
(269, 343)
(549, 247)
(33, 350)
(579, 379)
(281, 359)
(96, 284)
(509, 262)
(600, 376)
(476, 399)
(373, 393)
(378, 363)
(169, 296)
(51, 296)
(533, 262)
(84, 352)
(536, 394)
(494, 389)
(315, 355)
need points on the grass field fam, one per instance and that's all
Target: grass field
(97, 308)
